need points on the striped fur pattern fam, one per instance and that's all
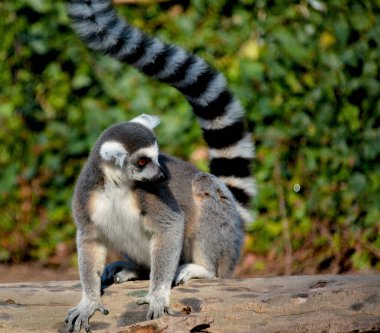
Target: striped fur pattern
(219, 113)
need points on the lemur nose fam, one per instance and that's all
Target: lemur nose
(161, 176)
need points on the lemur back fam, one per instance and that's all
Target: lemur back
(220, 114)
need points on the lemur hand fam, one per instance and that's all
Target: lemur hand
(158, 306)
(80, 315)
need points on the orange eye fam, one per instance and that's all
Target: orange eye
(143, 161)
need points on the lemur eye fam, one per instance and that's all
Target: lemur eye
(142, 161)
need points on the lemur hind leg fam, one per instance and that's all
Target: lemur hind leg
(123, 271)
(191, 271)
(216, 245)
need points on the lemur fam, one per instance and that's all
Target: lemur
(165, 215)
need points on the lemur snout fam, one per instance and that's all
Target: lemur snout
(161, 176)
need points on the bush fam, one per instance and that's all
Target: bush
(308, 75)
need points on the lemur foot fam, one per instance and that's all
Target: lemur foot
(191, 271)
(118, 272)
(79, 316)
(158, 306)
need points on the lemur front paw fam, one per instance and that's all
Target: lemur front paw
(158, 306)
(79, 316)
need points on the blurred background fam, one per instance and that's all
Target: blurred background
(307, 73)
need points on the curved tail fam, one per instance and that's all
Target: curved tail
(220, 114)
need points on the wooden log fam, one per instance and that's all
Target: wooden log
(293, 304)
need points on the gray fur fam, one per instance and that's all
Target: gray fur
(184, 216)
(219, 112)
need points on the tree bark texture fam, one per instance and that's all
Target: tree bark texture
(293, 304)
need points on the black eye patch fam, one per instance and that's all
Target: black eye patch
(143, 161)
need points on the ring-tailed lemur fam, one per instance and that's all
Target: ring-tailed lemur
(152, 207)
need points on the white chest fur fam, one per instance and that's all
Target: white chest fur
(117, 216)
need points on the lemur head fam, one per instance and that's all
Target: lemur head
(130, 150)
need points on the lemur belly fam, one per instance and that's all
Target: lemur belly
(118, 219)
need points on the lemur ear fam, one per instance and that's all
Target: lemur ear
(147, 120)
(113, 151)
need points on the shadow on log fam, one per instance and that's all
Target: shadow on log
(283, 304)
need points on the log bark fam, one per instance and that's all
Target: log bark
(282, 304)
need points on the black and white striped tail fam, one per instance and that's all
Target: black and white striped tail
(220, 114)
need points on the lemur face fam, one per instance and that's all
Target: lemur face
(130, 149)
(143, 165)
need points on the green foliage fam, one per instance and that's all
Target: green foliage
(307, 73)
